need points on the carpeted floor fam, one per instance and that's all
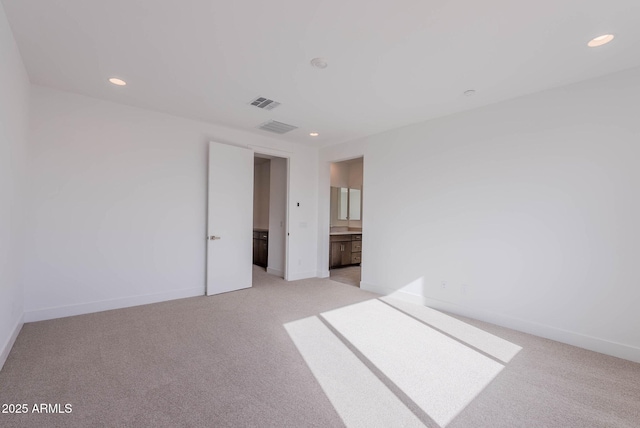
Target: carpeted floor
(240, 360)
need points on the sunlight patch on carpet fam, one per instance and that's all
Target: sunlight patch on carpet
(480, 339)
(440, 375)
(359, 397)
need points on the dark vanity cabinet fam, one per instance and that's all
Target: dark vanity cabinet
(260, 248)
(345, 250)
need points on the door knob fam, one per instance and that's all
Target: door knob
(213, 238)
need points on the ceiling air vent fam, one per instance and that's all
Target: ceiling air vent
(264, 103)
(277, 127)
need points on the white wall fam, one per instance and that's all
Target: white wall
(277, 216)
(527, 210)
(339, 174)
(261, 177)
(14, 117)
(117, 204)
(355, 174)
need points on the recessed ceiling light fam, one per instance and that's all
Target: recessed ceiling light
(118, 82)
(469, 93)
(313, 134)
(600, 40)
(320, 63)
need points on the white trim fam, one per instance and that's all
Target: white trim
(596, 344)
(276, 272)
(6, 348)
(105, 305)
(324, 273)
(375, 289)
(301, 275)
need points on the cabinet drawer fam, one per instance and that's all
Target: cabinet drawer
(260, 235)
(357, 237)
(339, 238)
(356, 258)
(356, 246)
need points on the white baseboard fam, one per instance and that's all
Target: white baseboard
(105, 305)
(301, 275)
(323, 274)
(615, 349)
(375, 289)
(276, 272)
(6, 348)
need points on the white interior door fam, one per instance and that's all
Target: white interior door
(230, 218)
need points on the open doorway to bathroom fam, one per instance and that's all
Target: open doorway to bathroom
(345, 235)
(270, 213)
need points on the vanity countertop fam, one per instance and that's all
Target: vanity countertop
(348, 232)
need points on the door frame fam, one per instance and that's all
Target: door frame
(324, 208)
(260, 150)
(257, 150)
(263, 151)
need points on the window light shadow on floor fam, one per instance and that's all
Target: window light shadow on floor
(363, 352)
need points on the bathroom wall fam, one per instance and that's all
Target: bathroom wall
(261, 189)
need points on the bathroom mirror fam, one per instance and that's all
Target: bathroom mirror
(345, 204)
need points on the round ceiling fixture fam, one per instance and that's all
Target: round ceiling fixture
(313, 134)
(600, 40)
(320, 63)
(117, 82)
(469, 93)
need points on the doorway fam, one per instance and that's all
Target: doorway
(230, 218)
(270, 213)
(345, 225)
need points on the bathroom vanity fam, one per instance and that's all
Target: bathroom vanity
(345, 249)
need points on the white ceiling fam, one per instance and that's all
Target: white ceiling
(391, 62)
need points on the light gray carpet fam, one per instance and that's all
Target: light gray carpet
(347, 275)
(228, 361)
